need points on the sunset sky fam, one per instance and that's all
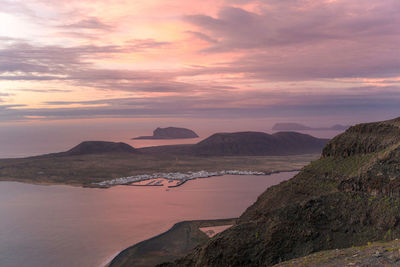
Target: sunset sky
(153, 63)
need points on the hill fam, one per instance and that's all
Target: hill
(247, 144)
(349, 197)
(170, 133)
(99, 147)
(257, 143)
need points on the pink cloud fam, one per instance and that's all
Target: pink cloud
(202, 52)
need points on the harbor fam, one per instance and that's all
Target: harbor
(159, 182)
(155, 182)
(173, 177)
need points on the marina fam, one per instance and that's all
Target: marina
(178, 184)
(175, 176)
(158, 182)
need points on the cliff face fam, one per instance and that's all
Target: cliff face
(364, 139)
(349, 197)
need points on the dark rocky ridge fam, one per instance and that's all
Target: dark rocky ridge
(349, 197)
(364, 139)
(93, 147)
(170, 133)
(87, 148)
(247, 144)
(96, 147)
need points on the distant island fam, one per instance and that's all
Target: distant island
(170, 133)
(246, 144)
(293, 126)
(93, 163)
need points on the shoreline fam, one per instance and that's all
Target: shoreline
(216, 221)
(103, 171)
(97, 186)
(181, 176)
(43, 183)
(199, 223)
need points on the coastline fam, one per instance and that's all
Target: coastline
(117, 203)
(145, 177)
(108, 261)
(89, 170)
(190, 227)
(181, 176)
(207, 223)
(42, 183)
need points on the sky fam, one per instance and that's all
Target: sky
(222, 65)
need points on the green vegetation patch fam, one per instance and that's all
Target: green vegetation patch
(338, 166)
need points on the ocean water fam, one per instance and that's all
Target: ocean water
(72, 226)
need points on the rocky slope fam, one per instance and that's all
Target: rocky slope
(372, 254)
(170, 133)
(349, 197)
(248, 144)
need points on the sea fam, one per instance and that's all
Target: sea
(57, 225)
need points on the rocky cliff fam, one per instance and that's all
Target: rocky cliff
(349, 197)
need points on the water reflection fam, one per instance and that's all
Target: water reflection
(64, 226)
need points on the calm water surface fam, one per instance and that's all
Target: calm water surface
(71, 226)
